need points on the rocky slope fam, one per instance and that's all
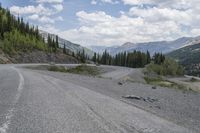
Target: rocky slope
(37, 57)
(69, 45)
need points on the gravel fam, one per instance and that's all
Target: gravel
(180, 107)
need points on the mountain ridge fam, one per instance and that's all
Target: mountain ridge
(68, 44)
(153, 47)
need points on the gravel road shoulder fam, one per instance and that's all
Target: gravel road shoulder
(174, 105)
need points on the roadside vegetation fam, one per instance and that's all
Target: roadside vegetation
(160, 81)
(162, 68)
(168, 67)
(81, 69)
(57, 68)
(85, 70)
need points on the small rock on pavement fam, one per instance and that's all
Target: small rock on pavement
(132, 97)
(120, 83)
(154, 87)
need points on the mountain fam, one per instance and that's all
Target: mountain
(69, 45)
(152, 47)
(189, 57)
(98, 49)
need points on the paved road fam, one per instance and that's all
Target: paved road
(32, 102)
(117, 73)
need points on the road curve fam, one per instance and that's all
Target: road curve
(31, 102)
(117, 73)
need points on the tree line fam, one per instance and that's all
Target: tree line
(53, 44)
(135, 59)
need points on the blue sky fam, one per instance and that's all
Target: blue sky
(70, 8)
(111, 22)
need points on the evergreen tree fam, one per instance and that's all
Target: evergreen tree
(73, 54)
(94, 58)
(158, 58)
(57, 44)
(81, 55)
(148, 57)
(64, 49)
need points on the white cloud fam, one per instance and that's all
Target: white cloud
(40, 13)
(94, 2)
(147, 20)
(39, 9)
(34, 17)
(162, 14)
(49, 1)
(49, 28)
(60, 18)
(110, 1)
(136, 2)
(158, 20)
(101, 29)
(93, 17)
(45, 19)
(195, 32)
(42, 19)
(58, 7)
(177, 4)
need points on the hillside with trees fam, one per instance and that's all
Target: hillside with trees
(189, 57)
(21, 42)
(16, 35)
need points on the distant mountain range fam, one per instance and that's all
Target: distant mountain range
(152, 47)
(69, 45)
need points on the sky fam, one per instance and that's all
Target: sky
(111, 22)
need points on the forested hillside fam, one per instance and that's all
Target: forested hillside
(189, 57)
(16, 35)
(21, 42)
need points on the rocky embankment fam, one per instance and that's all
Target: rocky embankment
(37, 57)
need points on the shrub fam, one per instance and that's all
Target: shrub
(168, 67)
(57, 69)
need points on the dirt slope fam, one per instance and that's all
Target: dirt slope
(36, 57)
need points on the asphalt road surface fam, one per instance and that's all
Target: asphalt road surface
(34, 102)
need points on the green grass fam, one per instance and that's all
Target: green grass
(85, 70)
(158, 81)
(58, 69)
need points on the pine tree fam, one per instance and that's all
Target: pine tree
(148, 57)
(94, 58)
(64, 49)
(83, 56)
(57, 44)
